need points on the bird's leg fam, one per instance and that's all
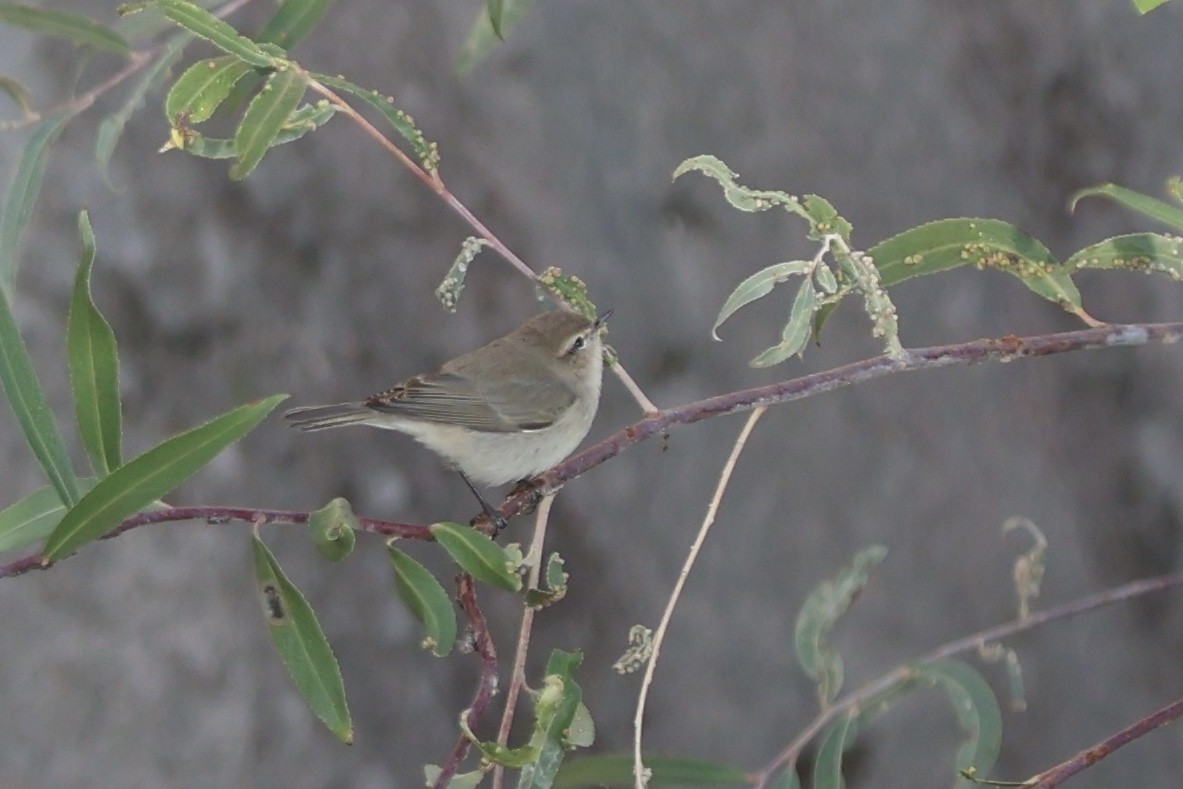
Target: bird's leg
(498, 520)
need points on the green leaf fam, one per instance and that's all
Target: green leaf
(205, 25)
(478, 555)
(293, 20)
(20, 96)
(203, 87)
(757, 286)
(28, 403)
(31, 519)
(469, 780)
(554, 718)
(1146, 6)
(482, 37)
(740, 197)
(1150, 253)
(308, 118)
(554, 586)
(977, 714)
(448, 291)
(428, 601)
(65, 24)
(983, 243)
(1135, 201)
(495, 9)
(150, 476)
(111, 129)
(301, 644)
(617, 770)
(332, 529)
(94, 367)
(786, 780)
(825, 605)
(265, 117)
(796, 331)
(22, 193)
(827, 764)
(427, 152)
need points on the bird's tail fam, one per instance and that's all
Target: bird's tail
(321, 417)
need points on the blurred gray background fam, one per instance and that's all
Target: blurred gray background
(144, 662)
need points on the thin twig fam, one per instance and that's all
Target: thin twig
(217, 515)
(136, 61)
(659, 635)
(788, 756)
(1005, 349)
(1090, 756)
(486, 687)
(517, 678)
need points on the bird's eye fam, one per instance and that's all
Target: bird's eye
(578, 343)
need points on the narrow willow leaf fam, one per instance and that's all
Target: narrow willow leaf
(427, 152)
(332, 529)
(757, 286)
(555, 709)
(478, 555)
(293, 20)
(482, 37)
(20, 96)
(827, 764)
(1145, 205)
(31, 519)
(824, 606)
(983, 243)
(150, 476)
(198, 92)
(1149, 253)
(740, 197)
(64, 24)
(448, 291)
(27, 400)
(203, 24)
(301, 644)
(22, 193)
(824, 219)
(569, 289)
(554, 584)
(94, 367)
(1146, 6)
(495, 9)
(308, 118)
(111, 129)
(470, 780)
(977, 713)
(796, 332)
(428, 601)
(265, 117)
(617, 770)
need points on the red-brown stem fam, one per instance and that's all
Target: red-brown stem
(486, 687)
(1090, 756)
(213, 515)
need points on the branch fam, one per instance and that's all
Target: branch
(789, 755)
(218, 515)
(1090, 756)
(1005, 349)
(487, 685)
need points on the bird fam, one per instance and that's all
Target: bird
(504, 412)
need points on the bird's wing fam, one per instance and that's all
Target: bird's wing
(508, 406)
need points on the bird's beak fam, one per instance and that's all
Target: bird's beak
(604, 316)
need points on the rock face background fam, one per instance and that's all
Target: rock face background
(143, 661)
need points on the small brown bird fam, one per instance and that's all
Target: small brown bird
(501, 413)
